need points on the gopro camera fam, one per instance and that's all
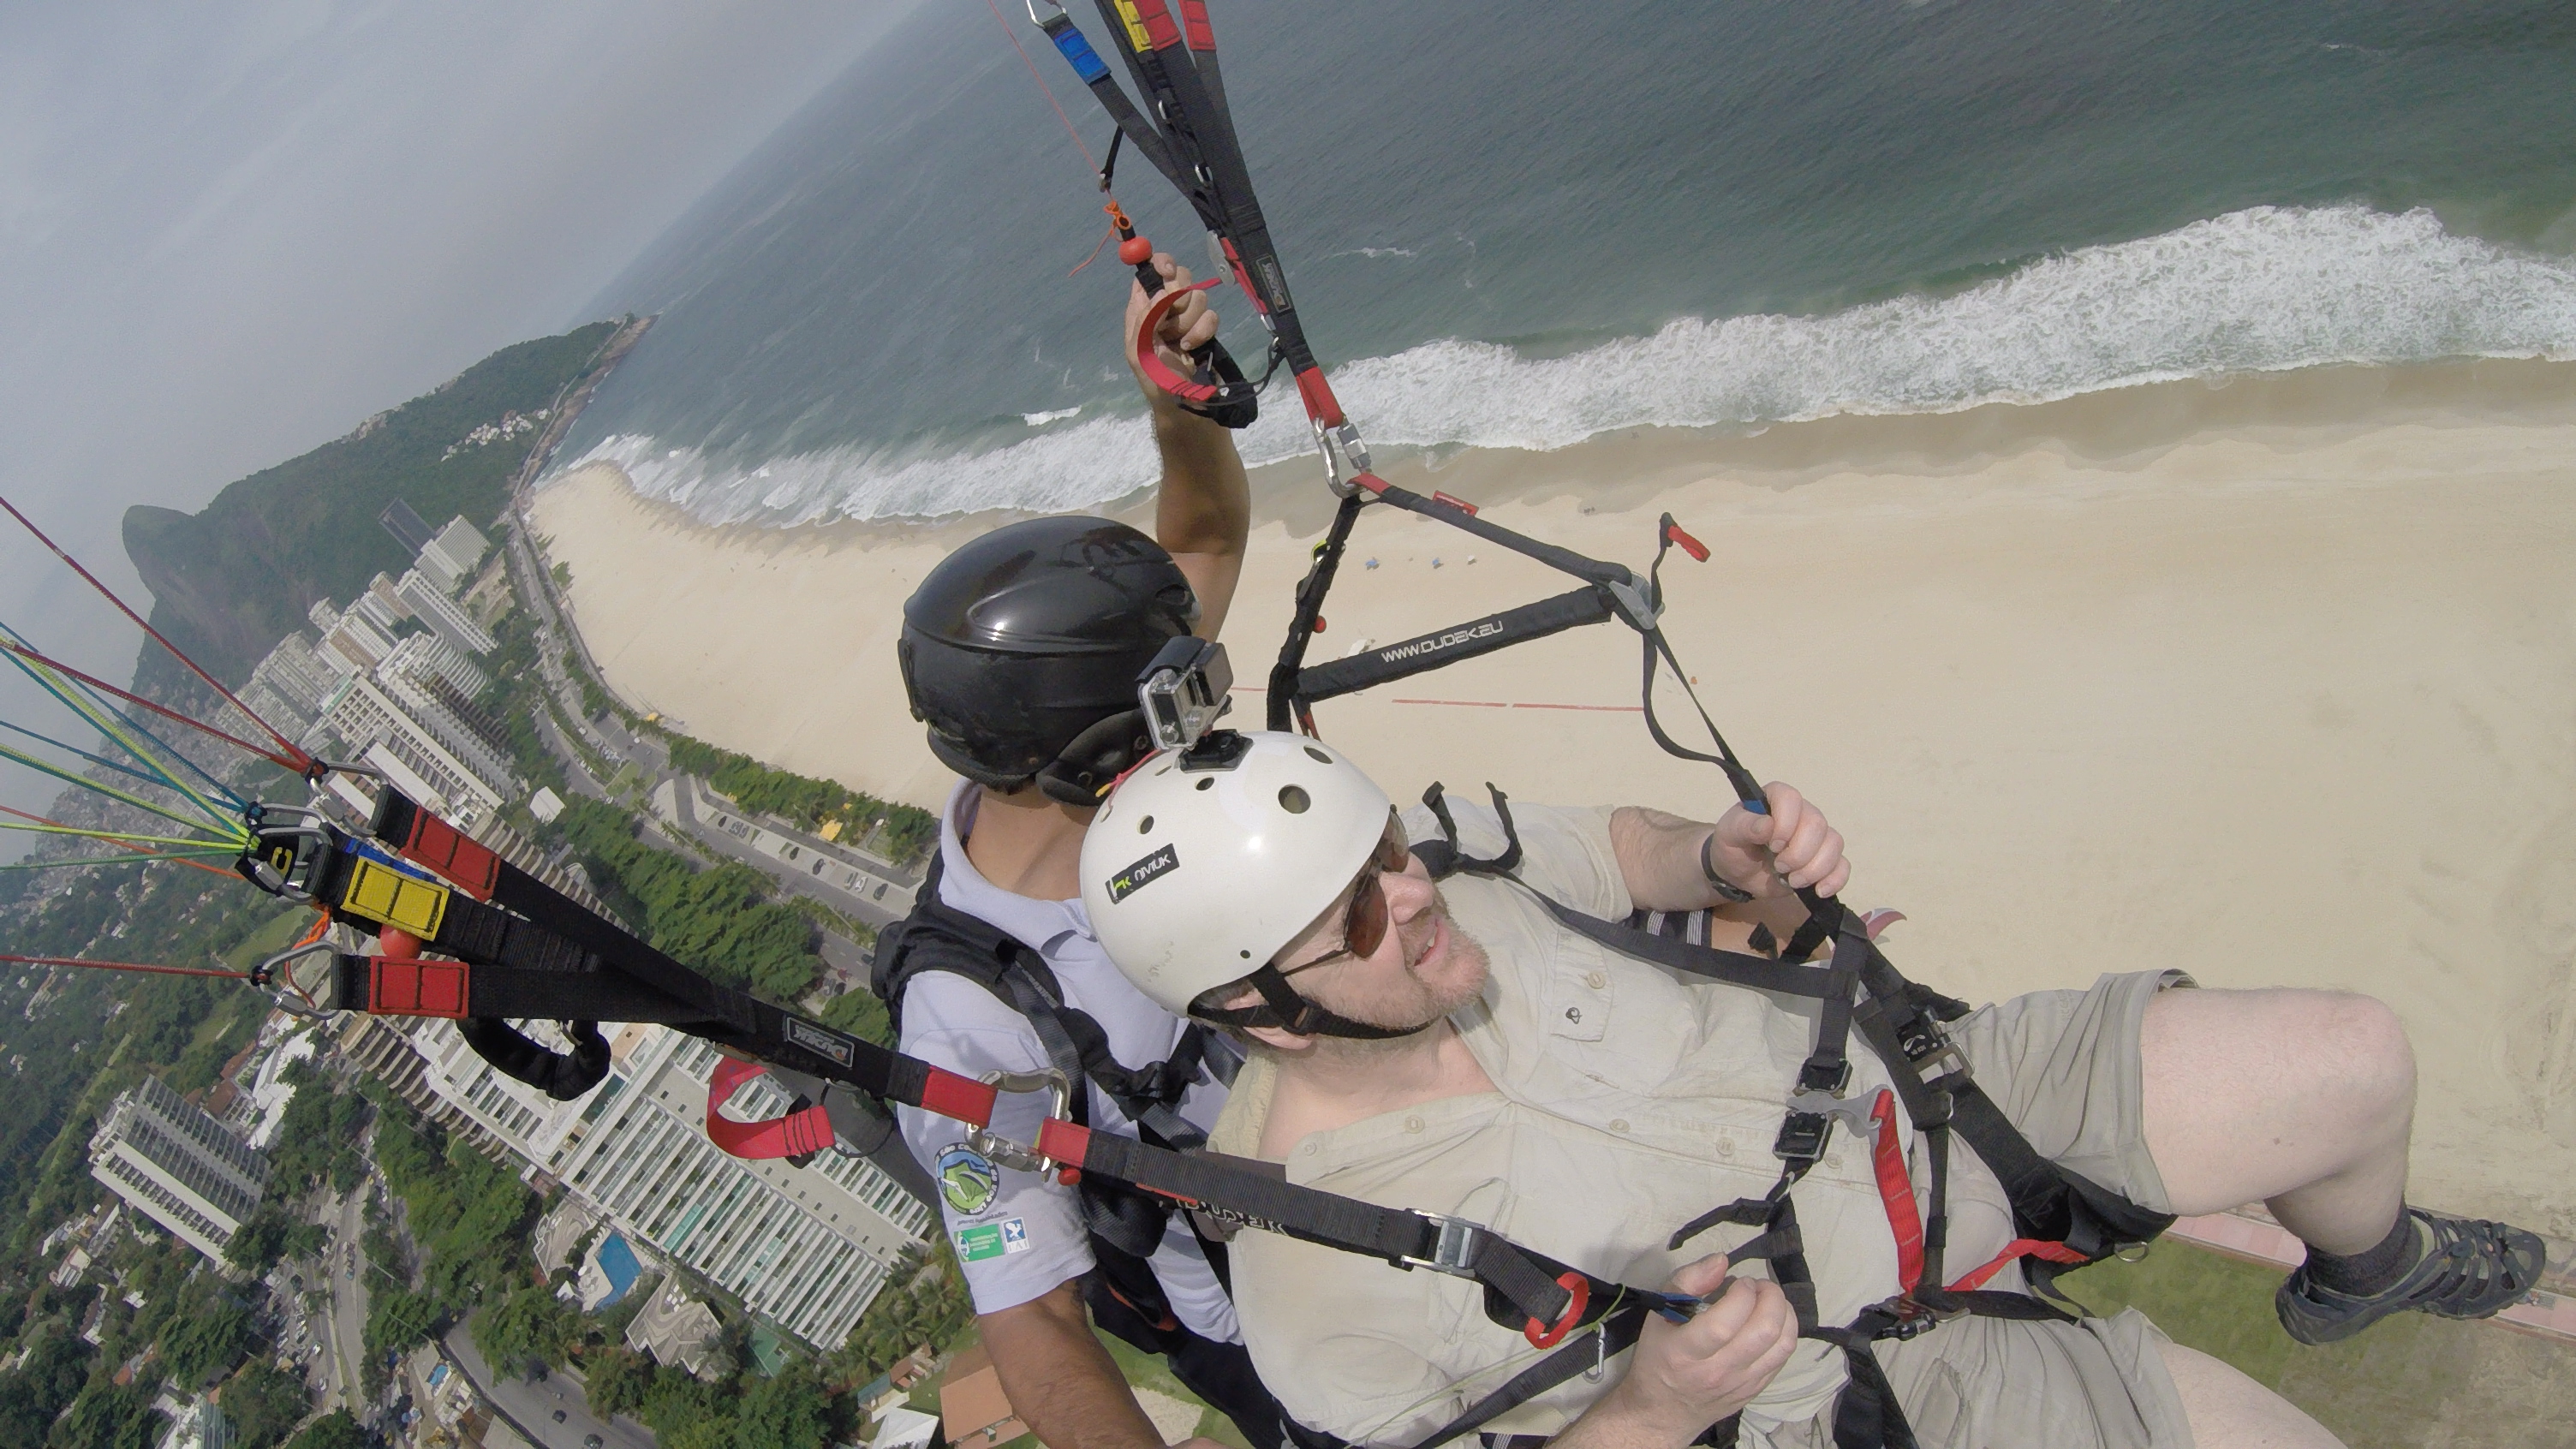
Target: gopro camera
(1184, 691)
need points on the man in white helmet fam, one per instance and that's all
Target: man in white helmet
(1477, 1049)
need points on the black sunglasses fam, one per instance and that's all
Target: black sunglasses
(1364, 923)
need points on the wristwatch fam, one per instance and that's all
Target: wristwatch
(1728, 890)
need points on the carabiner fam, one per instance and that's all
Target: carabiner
(268, 975)
(1003, 1150)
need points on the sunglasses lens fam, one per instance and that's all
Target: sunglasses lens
(1367, 927)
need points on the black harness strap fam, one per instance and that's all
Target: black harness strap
(1901, 1022)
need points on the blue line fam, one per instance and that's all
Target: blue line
(84, 754)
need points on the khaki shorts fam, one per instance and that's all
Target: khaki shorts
(2063, 1065)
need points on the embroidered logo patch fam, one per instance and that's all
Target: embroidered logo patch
(978, 1241)
(968, 1179)
(1143, 873)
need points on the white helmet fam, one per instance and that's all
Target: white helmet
(1198, 869)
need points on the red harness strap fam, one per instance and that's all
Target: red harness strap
(1896, 1190)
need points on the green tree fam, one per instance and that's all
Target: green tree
(530, 1324)
(264, 1404)
(197, 1346)
(57, 1363)
(107, 1416)
(334, 1430)
(616, 1379)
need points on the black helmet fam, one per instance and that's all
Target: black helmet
(1021, 652)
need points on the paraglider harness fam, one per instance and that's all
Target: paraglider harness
(1125, 1226)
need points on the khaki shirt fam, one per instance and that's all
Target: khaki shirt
(1628, 1101)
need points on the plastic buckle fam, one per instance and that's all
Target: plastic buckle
(1812, 1110)
(1002, 1149)
(1451, 1247)
(1913, 1319)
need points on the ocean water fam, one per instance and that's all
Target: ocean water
(1517, 225)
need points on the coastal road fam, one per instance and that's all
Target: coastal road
(530, 1408)
(344, 1262)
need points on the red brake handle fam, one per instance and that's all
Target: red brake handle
(793, 1135)
(1685, 542)
(1151, 364)
(1579, 1291)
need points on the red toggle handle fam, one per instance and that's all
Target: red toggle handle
(1685, 542)
(1151, 364)
(793, 1135)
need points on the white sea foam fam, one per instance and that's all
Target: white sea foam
(1055, 415)
(2262, 290)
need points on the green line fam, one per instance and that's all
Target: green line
(112, 836)
(60, 689)
(124, 859)
(86, 783)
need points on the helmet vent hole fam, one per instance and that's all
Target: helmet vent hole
(1208, 784)
(1320, 756)
(1145, 826)
(1246, 955)
(1294, 800)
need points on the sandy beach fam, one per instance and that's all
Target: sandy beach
(2274, 682)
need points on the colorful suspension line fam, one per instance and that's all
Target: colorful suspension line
(290, 755)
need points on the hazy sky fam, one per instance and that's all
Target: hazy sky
(229, 231)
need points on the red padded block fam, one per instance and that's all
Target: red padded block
(1195, 25)
(962, 1098)
(417, 988)
(1158, 24)
(444, 849)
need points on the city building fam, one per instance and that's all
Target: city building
(407, 527)
(425, 751)
(426, 657)
(349, 640)
(450, 558)
(806, 1249)
(296, 674)
(176, 1165)
(431, 604)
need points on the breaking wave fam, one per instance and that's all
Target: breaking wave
(2262, 290)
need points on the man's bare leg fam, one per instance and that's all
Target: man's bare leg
(2227, 1410)
(2300, 1100)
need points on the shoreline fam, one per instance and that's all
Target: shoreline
(2272, 681)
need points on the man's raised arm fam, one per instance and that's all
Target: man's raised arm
(1203, 510)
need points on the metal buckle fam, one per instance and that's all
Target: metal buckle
(306, 840)
(1345, 456)
(1451, 1249)
(1913, 1319)
(1038, 21)
(272, 977)
(1002, 1149)
(1954, 1064)
(1636, 602)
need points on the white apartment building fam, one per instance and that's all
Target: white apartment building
(437, 762)
(178, 1166)
(432, 605)
(449, 559)
(427, 657)
(805, 1248)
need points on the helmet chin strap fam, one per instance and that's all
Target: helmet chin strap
(1082, 772)
(1287, 1011)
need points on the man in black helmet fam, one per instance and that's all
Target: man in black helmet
(1020, 652)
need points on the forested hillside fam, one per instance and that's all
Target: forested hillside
(236, 577)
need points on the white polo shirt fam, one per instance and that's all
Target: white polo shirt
(1019, 1234)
